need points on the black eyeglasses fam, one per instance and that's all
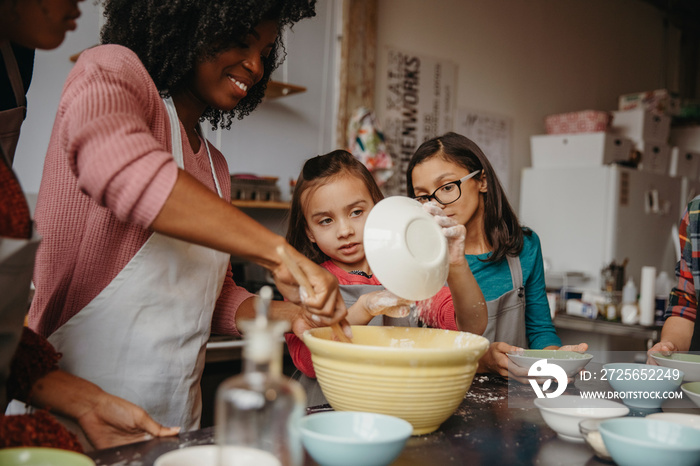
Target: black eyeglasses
(448, 192)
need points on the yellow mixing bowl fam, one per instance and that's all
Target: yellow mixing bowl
(418, 374)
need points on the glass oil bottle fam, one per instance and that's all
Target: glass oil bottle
(260, 408)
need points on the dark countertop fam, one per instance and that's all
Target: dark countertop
(483, 430)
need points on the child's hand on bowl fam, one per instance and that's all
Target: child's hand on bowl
(455, 233)
(386, 303)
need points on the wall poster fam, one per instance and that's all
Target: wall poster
(419, 105)
(493, 134)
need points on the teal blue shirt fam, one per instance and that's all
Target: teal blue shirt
(494, 280)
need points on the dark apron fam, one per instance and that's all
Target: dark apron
(350, 294)
(16, 255)
(11, 119)
(507, 312)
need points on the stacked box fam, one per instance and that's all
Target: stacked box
(585, 121)
(659, 102)
(642, 125)
(578, 150)
(649, 132)
(685, 163)
(656, 157)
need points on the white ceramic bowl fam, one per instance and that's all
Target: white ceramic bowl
(687, 419)
(563, 413)
(571, 361)
(208, 455)
(345, 438)
(686, 362)
(406, 248)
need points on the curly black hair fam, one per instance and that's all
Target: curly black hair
(171, 36)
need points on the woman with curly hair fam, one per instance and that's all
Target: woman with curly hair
(133, 273)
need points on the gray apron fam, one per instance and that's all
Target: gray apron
(16, 255)
(507, 312)
(350, 294)
(11, 119)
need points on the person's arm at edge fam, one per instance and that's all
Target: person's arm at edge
(106, 419)
(471, 314)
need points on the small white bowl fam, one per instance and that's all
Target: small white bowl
(208, 455)
(686, 362)
(405, 248)
(563, 413)
(571, 361)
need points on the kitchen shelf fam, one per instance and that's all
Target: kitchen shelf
(278, 205)
(276, 89)
(604, 327)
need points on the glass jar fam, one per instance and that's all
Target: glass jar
(260, 408)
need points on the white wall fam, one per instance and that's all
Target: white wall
(274, 140)
(528, 59)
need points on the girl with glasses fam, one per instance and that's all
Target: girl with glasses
(332, 199)
(452, 174)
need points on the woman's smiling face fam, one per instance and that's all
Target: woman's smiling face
(221, 82)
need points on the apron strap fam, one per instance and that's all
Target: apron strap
(516, 274)
(13, 73)
(177, 141)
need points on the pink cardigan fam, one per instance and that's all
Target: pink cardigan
(107, 174)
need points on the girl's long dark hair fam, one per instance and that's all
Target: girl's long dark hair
(318, 171)
(171, 36)
(501, 225)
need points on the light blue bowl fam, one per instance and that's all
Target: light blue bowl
(637, 441)
(347, 438)
(642, 386)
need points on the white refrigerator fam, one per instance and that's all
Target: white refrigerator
(587, 217)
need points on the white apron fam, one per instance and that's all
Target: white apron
(143, 338)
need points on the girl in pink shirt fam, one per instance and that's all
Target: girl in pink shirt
(332, 198)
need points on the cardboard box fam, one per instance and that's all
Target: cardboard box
(585, 121)
(641, 125)
(684, 163)
(578, 150)
(656, 157)
(659, 102)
